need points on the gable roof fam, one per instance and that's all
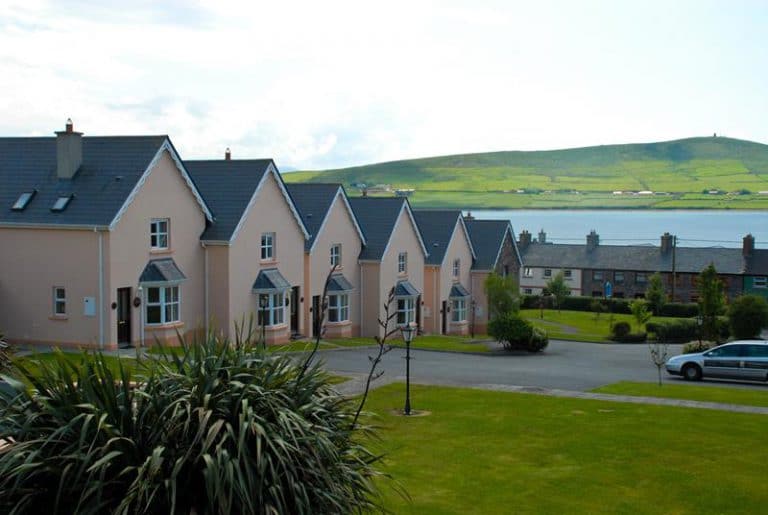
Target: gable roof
(314, 202)
(230, 187)
(378, 217)
(487, 238)
(437, 230)
(112, 171)
(643, 258)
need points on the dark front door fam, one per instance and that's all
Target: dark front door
(315, 315)
(124, 316)
(294, 310)
(443, 317)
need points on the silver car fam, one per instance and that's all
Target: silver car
(745, 359)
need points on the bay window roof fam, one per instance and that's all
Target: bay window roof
(270, 281)
(161, 271)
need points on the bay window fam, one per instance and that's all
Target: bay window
(271, 308)
(406, 310)
(338, 308)
(459, 310)
(162, 305)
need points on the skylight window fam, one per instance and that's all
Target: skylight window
(23, 200)
(61, 203)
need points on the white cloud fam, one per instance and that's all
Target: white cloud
(320, 84)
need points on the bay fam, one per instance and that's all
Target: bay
(694, 228)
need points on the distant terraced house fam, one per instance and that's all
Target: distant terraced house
(588, 267)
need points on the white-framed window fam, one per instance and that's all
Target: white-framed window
(459, 310)
(402, 262)
(527, 272)
(274, 311)
(267, 246)
(760, 282)
(456, 267)
(338, 308)
(641, 278)
(59, 300)
(568, 274)
(597, 275)
(528, 291)
(336, 254)
(162, 305)
(406, 310)
(547, 272)
(618, 277)
(158, 233)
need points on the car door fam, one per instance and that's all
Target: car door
(724, 361)
(754, 363)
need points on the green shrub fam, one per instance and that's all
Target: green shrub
(693, 347)
(620, 329)
(747, 316)
(682, 330)
(679, 309)
(515, 333)
(220, 429)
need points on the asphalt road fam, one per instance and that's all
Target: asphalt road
(563, 365)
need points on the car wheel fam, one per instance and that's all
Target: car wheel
(691, 372)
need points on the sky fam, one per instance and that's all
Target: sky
(318, 85)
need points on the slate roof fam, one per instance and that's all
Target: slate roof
(227, 187)
(161, 271)
(405, 289)
(270, 280)
(633, 257)
(339, 283)
(313, 200)
(458, 290)
(436, 228)
(487, 237)
(757, 263)
(111, 168)
(377, 217)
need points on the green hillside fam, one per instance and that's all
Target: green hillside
(676, 171)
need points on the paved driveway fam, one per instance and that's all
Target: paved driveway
(564, 365)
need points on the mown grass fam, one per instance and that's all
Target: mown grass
(426, 342)
(579, 325)
(680, 169)
(483, 452)
(748, 397)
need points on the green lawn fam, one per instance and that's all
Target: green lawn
(428, 342)
(31, 361)
(578, 325)
(689, 392)
(491, 452)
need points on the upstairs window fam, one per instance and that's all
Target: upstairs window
(760, 282)
(59, 301)
(568, 274)
(336, 254)
(597, 275)
(158, 234)
(527, 272)
(23, 200)
(456, 267)
(547, 272)
(402, 263)
(61, 203)
(267, 246)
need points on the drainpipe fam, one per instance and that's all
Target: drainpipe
(205, 250)
(101, 287)
(362, 314)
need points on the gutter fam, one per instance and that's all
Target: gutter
(74, 227)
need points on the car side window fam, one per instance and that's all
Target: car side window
(757, 351)
(730, 351)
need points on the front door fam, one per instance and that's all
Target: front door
(294, 310)
(443, 317)
(124, 317)
(316, 315)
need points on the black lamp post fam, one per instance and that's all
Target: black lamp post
(264, 303)
(408, 331)
(472, 323)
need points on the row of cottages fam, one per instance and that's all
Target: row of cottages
(112, 241)
(588, 267)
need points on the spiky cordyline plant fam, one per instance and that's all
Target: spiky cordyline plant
(218, 429)
(5, 359)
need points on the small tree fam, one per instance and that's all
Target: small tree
(711, 302)
(503, 295)
(659, 353)
(747, 316)
(596, 307)
(640, 312)
(655, 294)
(558, 289)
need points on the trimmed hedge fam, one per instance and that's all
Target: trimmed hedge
(614, 305)
(684, 330)
(514, 333)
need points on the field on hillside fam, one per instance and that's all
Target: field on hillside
(676, 171)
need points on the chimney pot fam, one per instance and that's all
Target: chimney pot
(69, 127)
(593, 240)
(542, 236)
(525, 240)
(228, 154)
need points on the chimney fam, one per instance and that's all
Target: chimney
(469, 216)
(525, 240)
(666, 243)
(593, 240)
(227, 154)
(542, 236)
(748, 245)
(69, 151)
(365, 192)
